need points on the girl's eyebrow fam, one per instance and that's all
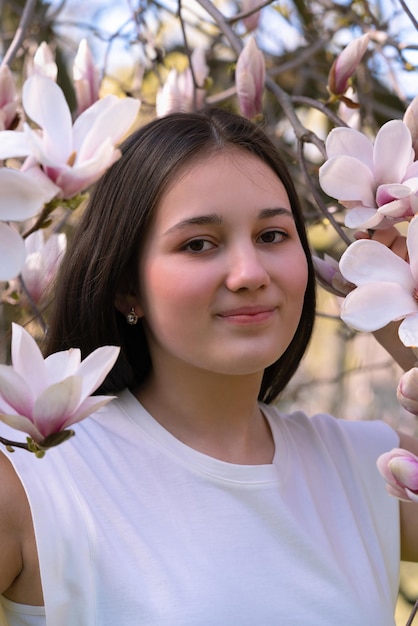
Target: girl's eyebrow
(217, 220)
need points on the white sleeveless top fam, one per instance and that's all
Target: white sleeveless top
(135, 528)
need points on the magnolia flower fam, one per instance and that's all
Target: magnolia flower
(179, 92)
(328, 275)
(387, 286)
(22, 196)
(346, 64)
(8, 100)
(73, 157)
(86, 77)
(400, 469)
(249, 78)
(375, 180)
(42, 397)
(407, 391)
(41, 264)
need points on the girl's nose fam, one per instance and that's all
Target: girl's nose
(246, 270)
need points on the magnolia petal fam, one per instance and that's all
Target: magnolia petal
(56, 404)
(396, 208)
(89, 406)
(394, 137)
(350, 142)
(61, 365)
(13, 144)
(408, 331)
(363, 217)
(373, 306)
(405, 470)
(410, 118)
(73, 180)
(21, 197)
(23, 424)
(411, 495)
(366, 261)
(386, 193)
(45, 103)
(12, 252)
(95, 367)
(383, 461)
(346, 178)
(397, 492)
(113, 123)
(15, 391)
(38, 179)
(27, 359)
(412, 247)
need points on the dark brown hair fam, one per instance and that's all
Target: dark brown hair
(108, 240)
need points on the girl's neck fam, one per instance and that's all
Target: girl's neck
(214, 414)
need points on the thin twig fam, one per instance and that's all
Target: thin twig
(25, 20)
(412, 615)
(410, 15)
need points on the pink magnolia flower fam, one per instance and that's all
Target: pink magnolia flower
(400, 469)
(8, 99)
(179, 92)
(22, 197)
(42, 397)
(346, 64)
(42, 262)
(387, 286)
(407, 392)
(86, 77)
(367, 179)
(73, 157)
(249, 78)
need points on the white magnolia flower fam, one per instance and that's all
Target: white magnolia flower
(73, 157)
(42, 397)
(387, 286)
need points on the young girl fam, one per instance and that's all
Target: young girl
(190, 499)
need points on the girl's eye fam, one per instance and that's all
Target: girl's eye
(198, 245)
(272, 236)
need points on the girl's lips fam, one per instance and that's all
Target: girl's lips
(248, 315)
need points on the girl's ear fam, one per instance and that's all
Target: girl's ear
(126, 301)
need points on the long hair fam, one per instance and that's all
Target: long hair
(108, 239)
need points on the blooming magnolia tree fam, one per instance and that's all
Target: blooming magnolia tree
(328, 81)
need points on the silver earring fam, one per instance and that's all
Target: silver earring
(132, 317)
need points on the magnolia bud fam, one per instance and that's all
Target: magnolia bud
(345, 65)
(249, 78)
(407, 391)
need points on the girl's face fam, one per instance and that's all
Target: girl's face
(223, 273)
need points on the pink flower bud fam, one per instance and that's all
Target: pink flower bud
(251, 21)
(249, 78)
(44, 62)
(199, 65)
(8, 100)
(407, 391)
(411, 120)
(329, 276)
(345, 65)
(400, 469)
(86, 77)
